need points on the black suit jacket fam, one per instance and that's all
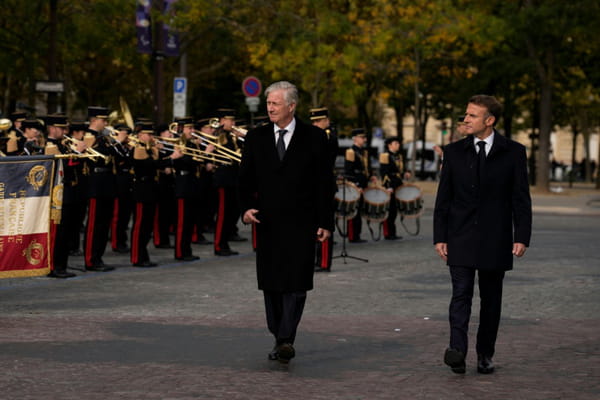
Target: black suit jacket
(294, 198)
(480, 222)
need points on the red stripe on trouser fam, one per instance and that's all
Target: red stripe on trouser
(220, 219)
(195, 233)
(254, 239)
(114, 224)
(350, 229)
(179, 233)
(135, 234)
(89, 234)
(156, 231)
(386, 229)
(52, 243)
(324, 253)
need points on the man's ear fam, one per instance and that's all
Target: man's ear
(489, 121)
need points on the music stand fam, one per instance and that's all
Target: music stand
(344, 233)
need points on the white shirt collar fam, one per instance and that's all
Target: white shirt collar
(488, 142)
(289, 128)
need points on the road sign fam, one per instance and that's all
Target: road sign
(50, 86)
(179, 97)
(251, 86)
(252, 103)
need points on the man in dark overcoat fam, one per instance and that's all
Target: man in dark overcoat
(285, 189)
(482, 219)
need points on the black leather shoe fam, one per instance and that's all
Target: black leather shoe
(226, 252)
(485, 365)
(285, 352)
(318, 268)
(61, 274)
(188, 258)
(455, 360)
(358, 241)
(274, 354)
(99, 268)
(121, 249)
(393, 237)
(145, 264)
(237, 238)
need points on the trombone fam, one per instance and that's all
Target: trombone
(196, 154)
(221, 151)
(88, 152)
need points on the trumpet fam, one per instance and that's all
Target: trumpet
(89, 152)
(239, 133)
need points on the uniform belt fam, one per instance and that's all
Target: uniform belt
(102, 169)
(183, 173)
(125, 170)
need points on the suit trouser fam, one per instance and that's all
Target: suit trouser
(97, 228)
(143, 219)
(284, 311)
(227, 215)
(186, 215)
(490, 293)
(354, 225)
(324, 253)
(122, 211)
(389, 225)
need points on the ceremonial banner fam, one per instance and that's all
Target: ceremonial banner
(143, 26)
(171, 38)
(26, 186)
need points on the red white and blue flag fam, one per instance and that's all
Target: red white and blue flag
(27, 185)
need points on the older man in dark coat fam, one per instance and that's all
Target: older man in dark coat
(285, 188)
(482, 218)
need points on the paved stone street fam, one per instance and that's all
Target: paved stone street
(374, 330)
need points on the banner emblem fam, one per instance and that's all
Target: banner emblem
(37, 176)
(34, 253)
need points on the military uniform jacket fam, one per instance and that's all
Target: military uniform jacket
(187, 175)
(72, 173)
(481, 221)
(390, 167)
(101, 178)
(293, 197)
(145, 163)
(227, 175)
(356, 166)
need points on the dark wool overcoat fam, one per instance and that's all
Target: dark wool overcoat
(294, 198)
(481, 220)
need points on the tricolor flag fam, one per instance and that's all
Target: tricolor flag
(26, 188)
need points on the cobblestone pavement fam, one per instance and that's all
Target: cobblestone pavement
(371, 330)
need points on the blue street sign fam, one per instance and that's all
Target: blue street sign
(179, 85)
(251, 86)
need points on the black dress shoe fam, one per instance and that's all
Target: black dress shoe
(61, 274)
(285, 352)
(393, 237)
(274, 354)
(121, 249)
(485, 365)
(237, 238)
(99, 268)
(188, 258)
(359, 240)
(318, 268)
(145, 264)
(455, 360)
(226, 252)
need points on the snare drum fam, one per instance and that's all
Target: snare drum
(346, 200)
(410, 202)
(376, 204)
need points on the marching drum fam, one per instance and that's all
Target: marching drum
(376, 204)
(346, 198)
(410, 203)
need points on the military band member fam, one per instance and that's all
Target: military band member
(77, 194)
(357, 170)
(28, 143)
(60, 227)
(207, 208)
(123, 205)
(225, 180)
(166, 207)
(145, 164)
(187, 192)
(101, 190)
(320, 117)
(391, 167)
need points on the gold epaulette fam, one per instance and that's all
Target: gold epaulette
(350, 156)
(384, 158)
(140, 153)
(51, 149)
(12, 145)
(155, 153)
(89, 139)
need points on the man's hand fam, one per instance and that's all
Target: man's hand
(250, 216)
(519, 249)
(442, 250)
(323, 234)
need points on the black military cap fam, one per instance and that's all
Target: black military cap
(359, 132)
(58, 120)
(146, 127)
(122, 127)
(392, 139)
(185, 121)
(261, 120)
(31, 123)
(318, 113)
(97, 112)
(161, 128)
(202, 122)
(226, 113)
(18, 116)
(78, 125)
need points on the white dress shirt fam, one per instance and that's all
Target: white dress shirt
(288, 135)
(488, 143)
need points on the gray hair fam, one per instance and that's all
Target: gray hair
(290, 92)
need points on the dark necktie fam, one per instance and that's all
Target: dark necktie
(481, 160)
(281, 143)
